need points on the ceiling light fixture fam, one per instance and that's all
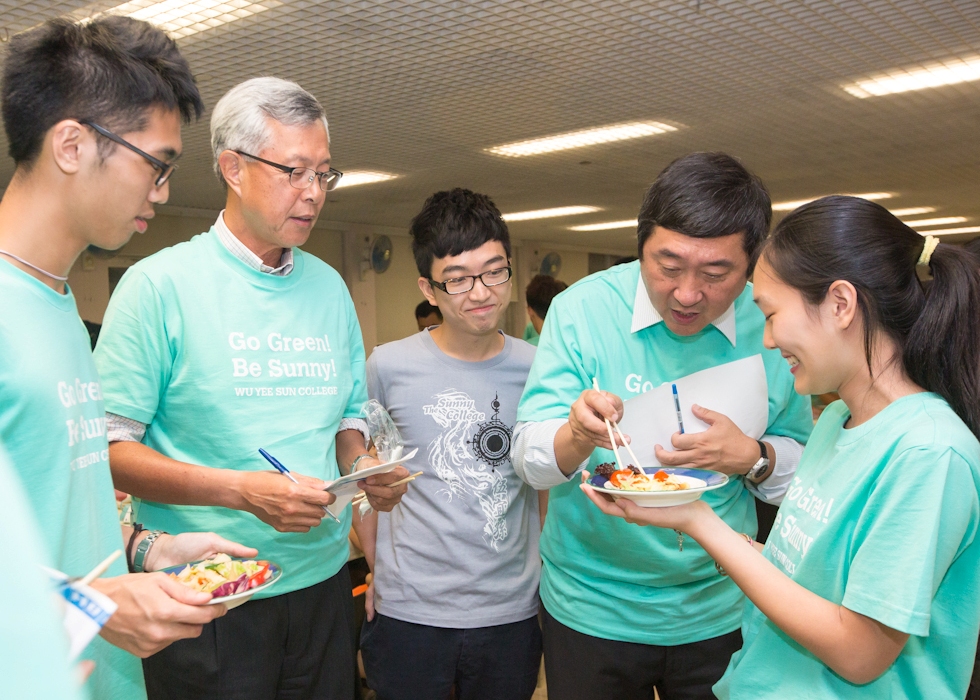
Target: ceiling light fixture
(352, 178)
(548, 213)
(912, 211)
(951, 72)
(182, 18)
(940, 221)
(605, 226)
(951, 231)
(583, 137)
(789, 206)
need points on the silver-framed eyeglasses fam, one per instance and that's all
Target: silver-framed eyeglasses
(166, 169)
(461, 285)
(301, 178)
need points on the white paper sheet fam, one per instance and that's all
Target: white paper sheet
(737, 389)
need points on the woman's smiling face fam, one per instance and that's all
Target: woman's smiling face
(808, 336)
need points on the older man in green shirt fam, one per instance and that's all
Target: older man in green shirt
(625, 611)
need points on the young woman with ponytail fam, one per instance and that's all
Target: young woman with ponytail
(869, 585)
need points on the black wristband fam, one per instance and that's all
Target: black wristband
(137, 529)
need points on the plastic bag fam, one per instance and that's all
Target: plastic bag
(387, 440)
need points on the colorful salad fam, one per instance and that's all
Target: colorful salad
(223, 576)
(632, 479)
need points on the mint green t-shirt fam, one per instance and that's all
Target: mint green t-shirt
(218, 360)
(602, 576)
(52, 423)
(881, 519)
(33, 645)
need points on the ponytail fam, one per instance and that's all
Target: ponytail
(942, 352)
(937, 329)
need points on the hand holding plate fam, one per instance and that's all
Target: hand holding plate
(154, 611)
(380, 495)
(672, 517)
(170, 550)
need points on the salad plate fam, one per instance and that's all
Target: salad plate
(231, 580)
(347, 485)
(686, 484)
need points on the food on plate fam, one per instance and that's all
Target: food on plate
(607, 468)
(628, 480)
(223, 576)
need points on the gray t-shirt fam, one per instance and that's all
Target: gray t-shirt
(461, 549)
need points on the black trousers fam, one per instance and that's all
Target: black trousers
(296, 646)
(405, 661)
(580, 667)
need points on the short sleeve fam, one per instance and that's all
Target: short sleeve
(355, 344)
(560, 371)
(134, 355)
(375, 386)
(920, 516)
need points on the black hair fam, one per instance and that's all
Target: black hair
(541, 290)
(974, 247)
(109, 71)
(425, 309)
(707, 195)
(852, 239)
(452, 222)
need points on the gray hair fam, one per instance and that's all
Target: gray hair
(239, 120)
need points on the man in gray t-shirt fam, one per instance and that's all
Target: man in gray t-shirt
(456, 563)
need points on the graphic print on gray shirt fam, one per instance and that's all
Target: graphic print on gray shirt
(461, 549)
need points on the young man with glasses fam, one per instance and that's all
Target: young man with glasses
(233, 341)
(456, 563)
(78, 183)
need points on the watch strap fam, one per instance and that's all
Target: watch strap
(143, 548)
(760, 466)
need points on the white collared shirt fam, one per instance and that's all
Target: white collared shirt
(230, 241)
(645, 315)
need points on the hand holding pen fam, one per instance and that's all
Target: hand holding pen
(294, 504)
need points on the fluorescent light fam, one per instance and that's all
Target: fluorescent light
(605, 226)
(912, 211)
(353, 178)
(182, 18)
(789, 206)
(940, 221)
(951, 72)
(548, 213)
(951, 231)
(583, 137)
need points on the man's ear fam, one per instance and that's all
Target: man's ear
(70, 144)
(427, 291)
(230, 165)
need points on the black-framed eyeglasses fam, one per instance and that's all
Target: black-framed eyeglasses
(166, 169)
(461, 285)
(301, 178)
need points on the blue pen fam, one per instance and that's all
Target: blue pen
(677, 407)
(285, 472)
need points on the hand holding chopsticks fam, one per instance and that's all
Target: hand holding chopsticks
(610, 425)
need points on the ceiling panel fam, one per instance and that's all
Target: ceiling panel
(421, 88)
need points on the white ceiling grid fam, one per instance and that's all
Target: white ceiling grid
(421, 88)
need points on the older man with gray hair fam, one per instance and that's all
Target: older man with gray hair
(233, 341)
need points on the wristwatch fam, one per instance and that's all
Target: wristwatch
(761, 466)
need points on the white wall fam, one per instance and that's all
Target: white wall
(385, 303)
